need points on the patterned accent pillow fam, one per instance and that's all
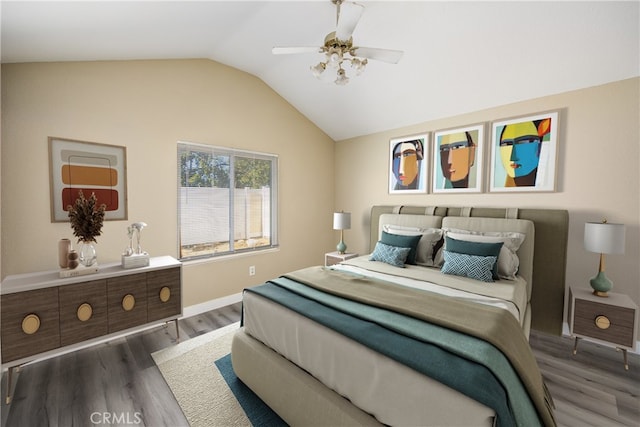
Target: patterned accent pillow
(401, 241)
(508, 261)
(475, 248)
(472, 266)
(392, 255)
(429, 238)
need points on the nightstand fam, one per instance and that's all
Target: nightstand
(336, 257)
(611, 320)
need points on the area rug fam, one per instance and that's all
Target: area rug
(199, 373)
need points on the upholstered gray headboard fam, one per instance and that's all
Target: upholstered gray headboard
(549, 260)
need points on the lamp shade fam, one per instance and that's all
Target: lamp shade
(604, 238)
(341, 220)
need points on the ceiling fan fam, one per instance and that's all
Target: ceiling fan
(338, 46)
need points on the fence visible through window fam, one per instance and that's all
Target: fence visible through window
(224, 205)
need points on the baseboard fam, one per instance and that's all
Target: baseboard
(567, 333)
(194, 310)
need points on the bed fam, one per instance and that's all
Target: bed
(369, 342)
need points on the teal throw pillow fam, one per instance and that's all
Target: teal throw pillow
(475, 248)
(392, 255)
(472, 266)
(401, 241)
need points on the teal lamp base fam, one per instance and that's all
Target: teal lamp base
(601, 284)
(342, 247)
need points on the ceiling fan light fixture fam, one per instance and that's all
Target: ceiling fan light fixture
(342, 78)
(338, 46)
(334, 58)
(358, 65)
(318, 69)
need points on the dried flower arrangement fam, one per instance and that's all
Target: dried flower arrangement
(86, 218)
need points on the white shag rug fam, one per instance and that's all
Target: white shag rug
(194, 379)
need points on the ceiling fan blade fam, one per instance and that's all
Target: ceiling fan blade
(385, 55)
(348, 16)
(289, 50)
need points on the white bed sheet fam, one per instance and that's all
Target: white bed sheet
(510, 295)
(391, 392)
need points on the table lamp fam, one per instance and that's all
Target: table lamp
(341, 221)
(603, 238)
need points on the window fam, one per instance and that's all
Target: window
(227, 201)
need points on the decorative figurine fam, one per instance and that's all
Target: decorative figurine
(131, 257)
(138, 226)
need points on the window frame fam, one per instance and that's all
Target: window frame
(233, 153)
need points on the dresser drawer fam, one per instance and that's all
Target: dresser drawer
(163, 294)
(615, 323)
(127, 301)
(83, 311)
(29, 323)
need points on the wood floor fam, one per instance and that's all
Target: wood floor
(117, 383)
(591, 388)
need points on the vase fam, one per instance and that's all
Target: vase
(64, 246)
(87, 252)
(72, 259)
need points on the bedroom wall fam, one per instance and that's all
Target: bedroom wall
(597, 175)
(148, 106)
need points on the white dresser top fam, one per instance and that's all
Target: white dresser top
(45, 279)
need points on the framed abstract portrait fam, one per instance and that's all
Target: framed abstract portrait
(91, 168)
(458, 160)
(524, 153)
(408, 163)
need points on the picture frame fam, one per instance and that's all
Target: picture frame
(458, 160)
(408, 164)
(524, 153)
(91, 167)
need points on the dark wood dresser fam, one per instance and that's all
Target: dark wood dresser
(42, 314)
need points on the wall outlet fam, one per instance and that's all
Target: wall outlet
(252, 270)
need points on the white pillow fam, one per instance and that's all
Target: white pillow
(430, 237)
(508, 261)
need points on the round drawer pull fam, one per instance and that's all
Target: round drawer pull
(165, 294)
(85, 311)
(30, 324)
(602, 322)
(128, 302)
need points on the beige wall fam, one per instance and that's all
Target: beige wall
(148, 106)
(599, 140)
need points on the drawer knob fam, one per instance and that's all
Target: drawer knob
(30, 324)
(128, 302)
(602, 322)
(165, 294)
(85, 311)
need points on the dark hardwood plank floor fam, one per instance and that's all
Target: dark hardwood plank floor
(119, 379)
(115, 383)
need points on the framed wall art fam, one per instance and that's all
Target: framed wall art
(458, 160)
(408, 163)
(524, 153)
(91, 168)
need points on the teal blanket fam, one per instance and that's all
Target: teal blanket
(467, 364)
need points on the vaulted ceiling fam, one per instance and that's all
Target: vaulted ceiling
(458, 56)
